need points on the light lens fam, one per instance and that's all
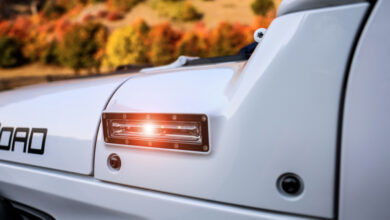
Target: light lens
(180, 131)
(170, 131)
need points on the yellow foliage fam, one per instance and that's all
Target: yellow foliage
(177, 10)
(127, 45)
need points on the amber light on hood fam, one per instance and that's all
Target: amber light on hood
(169, 131)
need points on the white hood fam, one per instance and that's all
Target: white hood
(70, 111)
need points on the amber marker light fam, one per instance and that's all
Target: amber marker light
(148, 129)
(169, 131)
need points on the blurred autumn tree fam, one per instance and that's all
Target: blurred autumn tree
(54, 9)
(10, 52)
(192, 44)
(162, 46)
(188, 12)
(177, 10)
(122, 5)
(62, 33)
(261, 7)
(12, 35)
(128, 45)
(227, 39)
(82, 47)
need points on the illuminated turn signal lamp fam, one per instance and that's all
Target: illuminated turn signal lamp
(169, 131)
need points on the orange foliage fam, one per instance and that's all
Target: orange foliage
(159, 44)
(43, 36)
(122, 5)
(61, 26)
(264, 21)
(75, 11)
(88, 17)
(192, 44)
(20, 27)
(113, 16)
(5, 26)
(101, 14)
(227, 39)
(163, 40)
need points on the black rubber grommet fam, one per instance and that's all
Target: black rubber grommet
(290, 184)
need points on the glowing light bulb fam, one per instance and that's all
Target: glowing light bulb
(148, 129)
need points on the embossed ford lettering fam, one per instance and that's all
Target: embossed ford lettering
(33, 141)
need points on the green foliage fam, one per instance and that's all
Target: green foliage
(128, 45)
(82, 46)
(261, 7)
(177, 10)
(45, 53)
(10, 52)
(50, 54)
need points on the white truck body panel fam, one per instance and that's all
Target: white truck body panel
(70, 196)
(279, 112)
(69, 110)
(365, 149)
(278, 115)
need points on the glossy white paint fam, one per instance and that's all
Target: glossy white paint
(179, 62)
(365, 150)
(291, 6)
(69, 110)
(279, 114)
(70, 196)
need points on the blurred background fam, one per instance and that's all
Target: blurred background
(49, 40)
